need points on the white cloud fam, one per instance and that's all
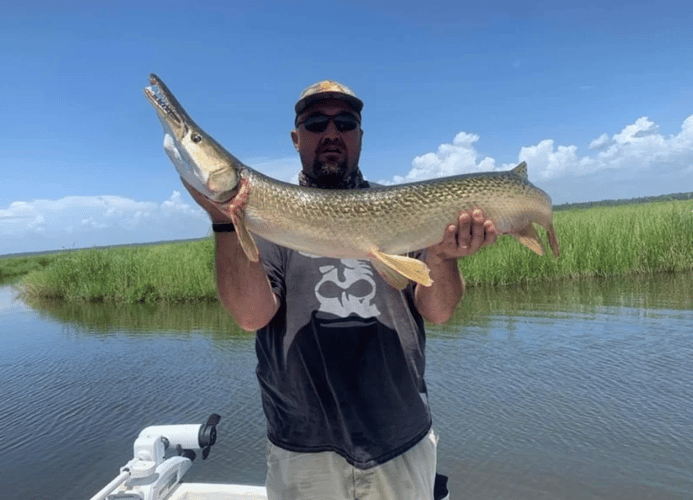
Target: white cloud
(548, 161)
(451, 159)
(636, 148)
(615, 169)
(600, 142)
(79, 221)
(641, 128)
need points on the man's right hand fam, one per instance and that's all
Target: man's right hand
(215, 210)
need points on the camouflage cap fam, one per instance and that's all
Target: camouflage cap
(327, 89)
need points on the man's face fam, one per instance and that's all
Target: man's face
(328, 155)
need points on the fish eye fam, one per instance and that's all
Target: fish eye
(195, 138)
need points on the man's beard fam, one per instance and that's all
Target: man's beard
(331, 168)
(330, 179)
(330, 174)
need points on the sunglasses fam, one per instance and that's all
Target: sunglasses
(318, 122)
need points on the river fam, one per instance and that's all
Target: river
(579, 390)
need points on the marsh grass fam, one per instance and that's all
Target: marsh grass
(175, 272)
(595, 242)
(14, 267)
(650, 238)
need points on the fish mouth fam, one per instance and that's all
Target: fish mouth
(168, 109)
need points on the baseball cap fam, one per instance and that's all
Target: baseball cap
(327, 89)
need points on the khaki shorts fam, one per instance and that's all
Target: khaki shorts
(328, 476)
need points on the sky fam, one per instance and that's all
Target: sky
(596, 97)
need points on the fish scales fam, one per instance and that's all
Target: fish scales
(396, 219)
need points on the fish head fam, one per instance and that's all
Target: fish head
(199, 159)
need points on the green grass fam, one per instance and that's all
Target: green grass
(14, 267)
(650, 238)
(175, 272)
(595, 242)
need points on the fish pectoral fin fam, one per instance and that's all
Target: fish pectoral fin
(392, 277)
(529, 237)
(553, 241)
(234, 209)
(397, 270)
(245, 239)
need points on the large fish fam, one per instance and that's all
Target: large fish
(382, 224)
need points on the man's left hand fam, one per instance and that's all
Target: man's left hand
(472, 232)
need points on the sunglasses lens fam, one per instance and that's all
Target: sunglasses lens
(345, 122)
(319, 123)
(316, 123)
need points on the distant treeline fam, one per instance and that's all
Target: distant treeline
(625, 201)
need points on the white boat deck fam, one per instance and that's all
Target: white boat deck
(207, 491)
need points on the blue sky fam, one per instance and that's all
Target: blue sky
(596, 96)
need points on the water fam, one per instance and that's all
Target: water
(571, 391)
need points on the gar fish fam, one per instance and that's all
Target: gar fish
(381, 224)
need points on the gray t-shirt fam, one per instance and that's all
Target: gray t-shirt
(341, 365)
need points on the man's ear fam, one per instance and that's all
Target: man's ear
(294, 138)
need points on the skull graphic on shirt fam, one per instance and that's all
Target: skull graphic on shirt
(346, 288)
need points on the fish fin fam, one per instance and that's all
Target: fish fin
(246, 240)
(521, 171)
(234, 210)
(397, 270)
(392, 277)
(553, 241)
(528, 237)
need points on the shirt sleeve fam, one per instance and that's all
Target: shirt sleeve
(273, 259)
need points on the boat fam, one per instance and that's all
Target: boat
(162, 455)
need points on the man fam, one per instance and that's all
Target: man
(340, 352)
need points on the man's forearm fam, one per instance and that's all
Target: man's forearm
(437, 302)
(243, 287)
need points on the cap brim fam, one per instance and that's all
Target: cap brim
(306, 102)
